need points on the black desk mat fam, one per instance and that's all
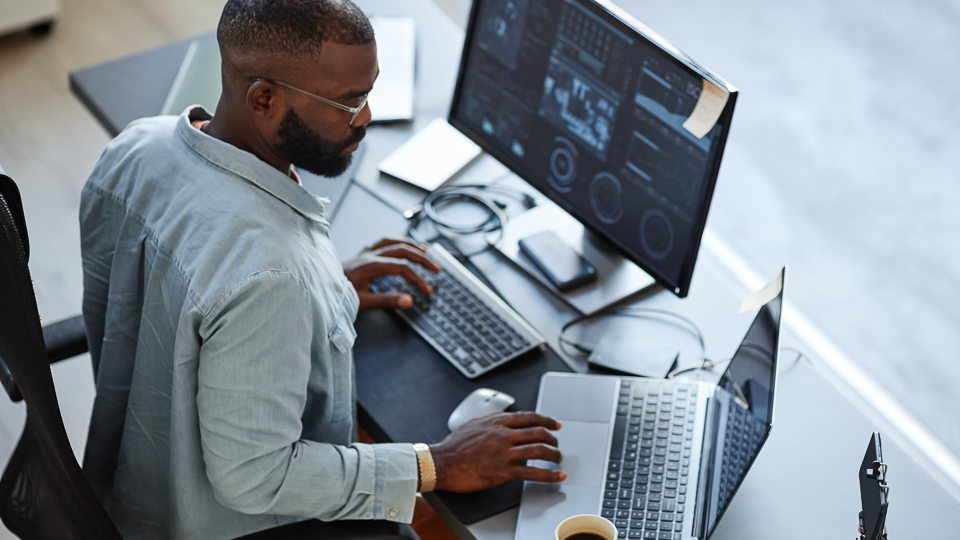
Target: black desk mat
(410, 390)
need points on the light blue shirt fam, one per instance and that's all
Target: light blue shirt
(220, 325)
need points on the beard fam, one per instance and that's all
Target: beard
(307, 150)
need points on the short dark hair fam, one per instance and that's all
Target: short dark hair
(295, 27)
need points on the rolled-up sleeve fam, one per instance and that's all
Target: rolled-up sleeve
(255, 364)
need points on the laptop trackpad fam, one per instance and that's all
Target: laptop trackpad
(583, 446)
(544, 506)
(578, 397)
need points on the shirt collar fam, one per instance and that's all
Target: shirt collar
(247, 166)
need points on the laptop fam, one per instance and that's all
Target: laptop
(660, 458)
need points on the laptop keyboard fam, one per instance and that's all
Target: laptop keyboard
(646, 484)
(743, 434)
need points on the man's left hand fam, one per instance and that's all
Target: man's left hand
(391, 256)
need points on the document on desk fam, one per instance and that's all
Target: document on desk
(392, 97)
(198, 80)
(432, 157)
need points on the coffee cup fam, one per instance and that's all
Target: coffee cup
(585, 527)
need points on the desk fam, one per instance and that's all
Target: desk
(803, 484)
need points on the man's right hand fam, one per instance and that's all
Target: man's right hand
(485, 452)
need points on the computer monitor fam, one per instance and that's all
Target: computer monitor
(588, 106)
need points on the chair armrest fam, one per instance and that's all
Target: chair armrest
(9, 384)
(65, 339)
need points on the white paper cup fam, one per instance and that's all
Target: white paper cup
(585, 523)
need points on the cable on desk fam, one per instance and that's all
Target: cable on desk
(640, 313)
(800, 356)
(495, 222)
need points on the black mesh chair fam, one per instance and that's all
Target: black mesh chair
(43, 493)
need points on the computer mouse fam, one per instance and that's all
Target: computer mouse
(480, 402)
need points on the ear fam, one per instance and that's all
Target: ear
(265, 101)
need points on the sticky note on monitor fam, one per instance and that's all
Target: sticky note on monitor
(432, 157)
(707, 110)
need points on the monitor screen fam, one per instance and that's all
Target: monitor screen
(589, 107)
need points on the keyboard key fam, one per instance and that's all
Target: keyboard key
(610, 494)
(621, 533)
(653, 515)
(614, 466)
(623, 504)
(651, 526)
(650, 535)
(626, 494)
(623, 514)
(635, 535)
(666, 516)
(638, 503)
(636, 524)
(665, 535)
(609, 503)
(621, 523)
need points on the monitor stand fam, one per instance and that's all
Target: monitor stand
(617, 277)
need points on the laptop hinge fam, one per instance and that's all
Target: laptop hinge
(712, 420)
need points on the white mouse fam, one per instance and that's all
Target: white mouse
(480, 402)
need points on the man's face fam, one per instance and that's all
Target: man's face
(319, 137)
(308, 150)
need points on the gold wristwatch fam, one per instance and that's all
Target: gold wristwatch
(428, 472)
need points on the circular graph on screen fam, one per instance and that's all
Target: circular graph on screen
(563, 165)
(656, 234)
(606, 198)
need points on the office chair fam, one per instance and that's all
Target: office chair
(43, 493)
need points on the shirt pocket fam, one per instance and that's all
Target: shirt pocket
(342, 334)
(342, 337)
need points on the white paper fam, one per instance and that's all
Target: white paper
(431, 157)
(707, 110)
(764, 295)
(392, 97)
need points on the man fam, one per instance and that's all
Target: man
(220, 319)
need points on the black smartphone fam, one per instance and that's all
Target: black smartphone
(565, 268)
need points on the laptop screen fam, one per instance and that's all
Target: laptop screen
(743, 411)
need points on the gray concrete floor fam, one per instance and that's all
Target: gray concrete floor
(842, 162)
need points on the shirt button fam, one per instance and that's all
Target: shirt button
(394, 513)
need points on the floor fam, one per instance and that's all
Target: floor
(841, 163)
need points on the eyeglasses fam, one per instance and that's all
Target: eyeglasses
(355, 111)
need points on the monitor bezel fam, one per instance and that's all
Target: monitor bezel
(681, 287)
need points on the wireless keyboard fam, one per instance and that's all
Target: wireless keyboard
(463, 319)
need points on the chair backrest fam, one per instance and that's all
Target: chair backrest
(43, 493)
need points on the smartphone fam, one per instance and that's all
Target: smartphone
(565, 268)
